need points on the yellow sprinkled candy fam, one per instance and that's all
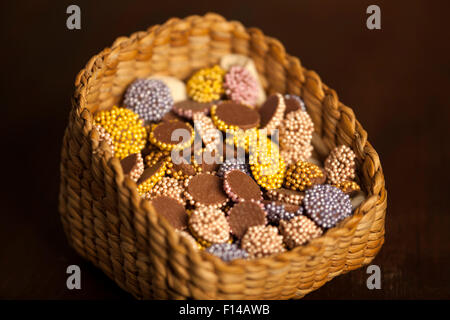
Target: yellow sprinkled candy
(206, 85)
(150, 177)
(125, 128)
(170, 146)
(155, 156)
(348, 186)
(266, 164)
(302, 175)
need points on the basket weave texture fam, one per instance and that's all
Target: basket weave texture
(109, 224)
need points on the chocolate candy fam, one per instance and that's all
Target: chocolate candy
(229, 60)
(227, 251)
(205, 190)
(104, 136)
(348, 187)
(286, 195)
(293, 103)
(206, 129)
(176, 86)
(233, 164)
(296, 133)
(240, 85)
(272, 112)
(181, 170)
(277, 212)
(298, 231)
(133, 166)
(340, 165)
(240, 186)
(163, 135)
(127, 131)
(207, 160)
(169, 187)
(206, 85)
(290, 208)
(327, 205)
(267, 166)
(149, 98)
(150, 177)
(171, 210)
(302, 175)
(209, 226)
(262, 241)
(172, 116)
(231, 116)
(244, 215)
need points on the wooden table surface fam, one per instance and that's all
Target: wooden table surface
(396, 79)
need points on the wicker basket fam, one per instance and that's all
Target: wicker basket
(108, 223)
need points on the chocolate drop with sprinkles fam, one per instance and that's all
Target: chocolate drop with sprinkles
(293, 103)
(227, 251)
(277, 212)
(233, 164)
(209, 225)
(205, 190)
(149, 98)
(133, 166)
(172, 210)
(240, 186)
(327, 205)
(151, 176)
(238, 115)
(244, 215)
(272, 112)
(163, 131)
(262, 241)
(298, 231)
(286, 195)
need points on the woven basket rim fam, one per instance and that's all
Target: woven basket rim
(79, 100)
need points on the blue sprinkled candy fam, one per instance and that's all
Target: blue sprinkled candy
(227, 251)
(233, 164)
(276, 212)
(327, 205)
(149, 98)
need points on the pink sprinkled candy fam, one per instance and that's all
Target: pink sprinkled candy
(240, 86)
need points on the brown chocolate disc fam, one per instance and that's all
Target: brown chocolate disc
(187, 108)
(244, 215)
(150, 171)
(206, 189)
(163, 131)
(268, 109)
(172, 210)
(292, 104)
(129, 163)
(239, 115)
(239, 186)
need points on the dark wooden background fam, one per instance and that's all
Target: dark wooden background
(396, 80)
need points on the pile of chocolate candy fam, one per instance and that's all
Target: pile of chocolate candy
(229, 168)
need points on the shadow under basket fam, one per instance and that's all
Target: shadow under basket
(109, 224)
